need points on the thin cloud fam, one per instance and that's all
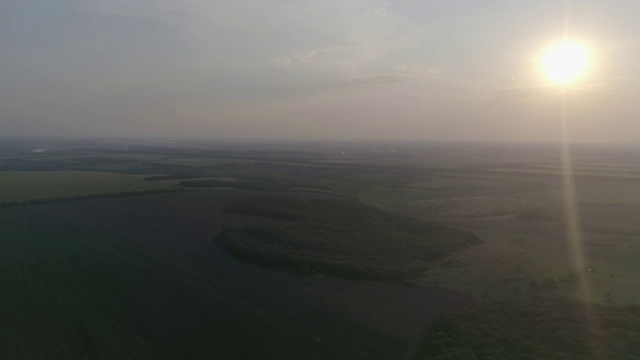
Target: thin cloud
(305, 56)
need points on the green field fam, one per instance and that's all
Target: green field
(74, 286)
(30, 185)
(139, 277)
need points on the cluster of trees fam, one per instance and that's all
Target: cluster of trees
(536, 330)
(253, 183)
(259, 185)
(341, 238)
(273, 208)
(171, 177)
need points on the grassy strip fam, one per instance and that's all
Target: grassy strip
(244, 185)
(5, 204)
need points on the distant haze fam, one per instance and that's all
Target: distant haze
(313, 69)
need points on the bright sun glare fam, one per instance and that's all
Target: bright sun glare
(564, 62)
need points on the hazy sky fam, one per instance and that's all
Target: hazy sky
(339, 69)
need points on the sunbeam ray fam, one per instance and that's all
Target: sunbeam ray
(573, 230)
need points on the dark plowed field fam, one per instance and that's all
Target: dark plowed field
(140, 278)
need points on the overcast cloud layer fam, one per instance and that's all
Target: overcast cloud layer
(312, 69)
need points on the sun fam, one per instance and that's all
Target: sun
(565, 62)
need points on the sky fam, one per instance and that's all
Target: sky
(447, 70)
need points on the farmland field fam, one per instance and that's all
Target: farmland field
(29, 185)
(139, 277)
(265, 254)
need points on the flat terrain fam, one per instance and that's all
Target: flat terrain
(143, 277)
(30, 185)
(139, 277)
